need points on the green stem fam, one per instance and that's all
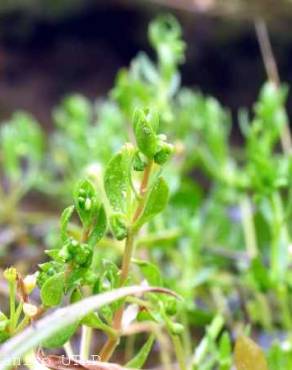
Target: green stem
(143, 191)
(12, 296)
(112, 343)
(280, 241)
(265, 316)
(68, 349)
(18, 312)
(283, 300)
(128, 252)
(24, 322)
(248, 227)
(108, 349)
(187, 339)
(179, 352)
(86, 337)
(130, 348)
(213, 331)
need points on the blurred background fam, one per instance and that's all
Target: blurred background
(49, 48)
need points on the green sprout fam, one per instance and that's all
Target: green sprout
(173, 243)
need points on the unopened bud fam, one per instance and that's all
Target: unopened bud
(118, 226)
(176, 328)
(163, 154)
(139, 163)
(30, 310)
(29, 283)
(10, 274)
(145, 126)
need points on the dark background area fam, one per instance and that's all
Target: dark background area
(49, 51)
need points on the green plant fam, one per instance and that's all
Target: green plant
(77, 269)
(22, 149)
(190, 212)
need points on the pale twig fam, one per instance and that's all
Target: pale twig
(272, 73)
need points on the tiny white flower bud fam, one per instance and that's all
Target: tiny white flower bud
(30, 283)
(30, 310)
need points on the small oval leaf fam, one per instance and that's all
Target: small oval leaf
(99, 228)
(117, 178)
(52, 290)
(86, 201)
(150, 272)
(65, 218)
(155, 203)
(145, 126)
(118, 224)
